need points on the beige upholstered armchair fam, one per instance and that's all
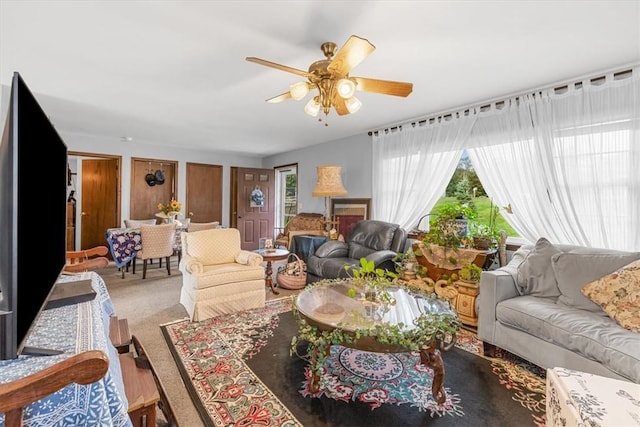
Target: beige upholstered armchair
(302, 223)
(218, 277)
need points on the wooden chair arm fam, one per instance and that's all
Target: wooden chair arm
(88, 253)
(78, 261)
(100, 262)
(83, 368)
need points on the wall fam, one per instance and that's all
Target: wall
(353, 154)
(113, 146)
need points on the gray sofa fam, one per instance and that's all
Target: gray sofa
(375, 240)
(533, 307)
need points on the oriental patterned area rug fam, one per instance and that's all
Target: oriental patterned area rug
(239, 372)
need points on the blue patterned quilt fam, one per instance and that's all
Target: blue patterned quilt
(74, 329)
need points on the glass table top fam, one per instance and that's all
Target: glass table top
(331, 304)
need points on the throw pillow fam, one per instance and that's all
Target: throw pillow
(535, 274)
(574, 270)
(618, 294)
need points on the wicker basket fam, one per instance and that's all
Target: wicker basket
(293, 275)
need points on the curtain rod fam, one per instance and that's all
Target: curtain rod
(626, 70)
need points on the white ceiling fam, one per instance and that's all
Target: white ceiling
(174, 72)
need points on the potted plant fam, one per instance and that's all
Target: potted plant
(470, 273)
(407, 265)
(369, 282)
(449, 226)
(486, 236)
(448, 229)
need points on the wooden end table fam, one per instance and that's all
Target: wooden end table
(269, 257)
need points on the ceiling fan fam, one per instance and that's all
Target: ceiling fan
(331, 78)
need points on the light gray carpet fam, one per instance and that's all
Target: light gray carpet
(147, 304)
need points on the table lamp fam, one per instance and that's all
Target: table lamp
(329, 184)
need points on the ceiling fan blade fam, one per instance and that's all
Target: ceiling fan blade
(277, 66)
(279, 98)
(354, 51)
(339, 105)
(386, 87)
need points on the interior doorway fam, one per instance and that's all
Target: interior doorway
(96, 186)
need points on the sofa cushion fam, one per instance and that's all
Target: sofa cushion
(585, 333)
(222, 274)
(618, 294)
(535, 274)
(332, 248)
(214, 246)
(575, 269)
(375, 235)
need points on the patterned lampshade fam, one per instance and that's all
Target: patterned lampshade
(329, 182)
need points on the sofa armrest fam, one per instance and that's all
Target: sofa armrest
(495, 286)
(248, 258)
(332, 249)
(190, 265)
(381, 257)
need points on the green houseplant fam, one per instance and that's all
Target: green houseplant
(485, 236)
(448, 227)
(470, 272)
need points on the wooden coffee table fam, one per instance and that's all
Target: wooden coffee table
(269, 257)
(328, 307)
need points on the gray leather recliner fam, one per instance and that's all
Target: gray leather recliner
(374, 240)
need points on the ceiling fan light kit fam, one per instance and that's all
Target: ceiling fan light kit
(299, 90)
(330, 77)
(313, 106)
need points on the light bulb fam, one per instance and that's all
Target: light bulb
(346, 88)
(313, 106)
(299, 90)
(353, 104)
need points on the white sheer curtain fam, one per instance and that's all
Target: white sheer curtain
(567, 163)
(413, 165)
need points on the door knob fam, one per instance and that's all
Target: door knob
(83, 213)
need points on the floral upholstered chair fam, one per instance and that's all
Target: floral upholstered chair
(303, 223)
(218, 277)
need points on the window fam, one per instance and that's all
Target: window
(286, 194)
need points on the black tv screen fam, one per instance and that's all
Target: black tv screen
(33, 185)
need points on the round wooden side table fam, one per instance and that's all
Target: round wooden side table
(269, 257)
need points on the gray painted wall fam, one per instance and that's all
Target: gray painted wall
(353, 154)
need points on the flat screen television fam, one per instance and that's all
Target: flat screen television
(33, 185)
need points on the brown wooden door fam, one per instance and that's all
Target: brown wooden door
(145, 197)
(204, 192)
(254, 221)
(99, 208)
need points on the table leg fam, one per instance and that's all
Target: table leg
(430, 356)
(314, 383)
(268, 281)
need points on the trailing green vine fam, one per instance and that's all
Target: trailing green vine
(427, 327)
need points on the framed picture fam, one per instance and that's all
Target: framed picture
(348, 212)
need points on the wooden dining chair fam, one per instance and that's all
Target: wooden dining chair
(158, 241)
(199, 226)
(82, 368)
